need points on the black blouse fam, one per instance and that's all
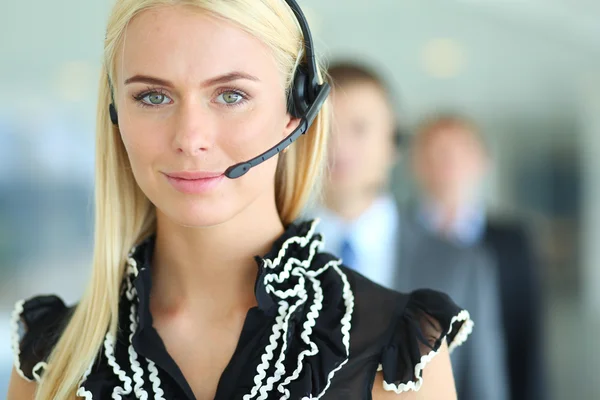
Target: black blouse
(319, 330)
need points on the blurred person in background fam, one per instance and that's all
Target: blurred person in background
(451, 159)
(359, 215)
(362, 221)
(181, 304)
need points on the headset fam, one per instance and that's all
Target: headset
(305, 99)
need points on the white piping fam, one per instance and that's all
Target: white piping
(14, 327)
(300, 269)
(461, 336)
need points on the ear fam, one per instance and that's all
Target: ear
(291, 124)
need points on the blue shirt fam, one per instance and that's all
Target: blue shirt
(373, 237)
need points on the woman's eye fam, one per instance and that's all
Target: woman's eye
(156, 99)
(230, 98)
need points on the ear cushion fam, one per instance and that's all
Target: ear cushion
(113, 114)
(298, 102)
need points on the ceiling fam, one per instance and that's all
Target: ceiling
(577, 20)
(525, 58)
(490, 57)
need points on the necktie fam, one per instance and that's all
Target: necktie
(348, 254)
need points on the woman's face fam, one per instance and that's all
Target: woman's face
(197, 94)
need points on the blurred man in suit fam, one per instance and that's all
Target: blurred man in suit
(450, 160)
(362, 222)
(359, 217)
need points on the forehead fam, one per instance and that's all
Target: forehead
(455, 136)
(184, 44)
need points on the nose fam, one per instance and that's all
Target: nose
(194, 130)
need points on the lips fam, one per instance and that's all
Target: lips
(189, 175)
(192, 182)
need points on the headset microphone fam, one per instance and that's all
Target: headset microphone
(305, 99)
(237, 170)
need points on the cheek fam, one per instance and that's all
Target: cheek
(378, 149)
(144, 143)
(246, 138)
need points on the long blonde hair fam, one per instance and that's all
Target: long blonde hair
(124, 215)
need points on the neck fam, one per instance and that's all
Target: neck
(349, 206)
(211, 269)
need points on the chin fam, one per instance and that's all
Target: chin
(198, 213)
(197, 220)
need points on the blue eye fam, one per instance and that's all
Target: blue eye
(152, 97)
(230, 98)
(155, 99)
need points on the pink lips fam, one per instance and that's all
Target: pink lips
(194, 182)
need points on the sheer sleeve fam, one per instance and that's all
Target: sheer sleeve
(428, 319)
(36, 326)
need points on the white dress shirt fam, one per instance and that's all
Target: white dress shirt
(373, 237)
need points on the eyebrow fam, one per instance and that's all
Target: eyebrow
(229, 77)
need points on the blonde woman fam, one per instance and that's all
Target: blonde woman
(202, 287)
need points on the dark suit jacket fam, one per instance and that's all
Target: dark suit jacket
(521, 308)
(468, 275)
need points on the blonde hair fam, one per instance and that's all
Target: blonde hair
(124, 216)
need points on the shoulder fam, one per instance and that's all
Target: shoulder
(36, 326)
(377, 306)
(403, 331)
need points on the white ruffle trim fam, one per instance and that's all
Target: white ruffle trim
(465, 330)
(16, 348)
(301, 270)
(14, 329)
(154, 379)
(460, 338)
(35, 371)
(109, 353)
(129, 385)
(81, 390)
(348, 297)
(138, 371)
(262, 389)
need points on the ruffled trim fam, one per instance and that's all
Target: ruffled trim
(16, 318)
(81, 390)
(453, 337)
(109, 353)
(348, 297)
(15, 339)
(159, 394)
(138, 372)
(135, 383)
(138, 376)
(293, 281)
(463, 333)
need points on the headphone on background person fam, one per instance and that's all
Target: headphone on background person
(305, 99)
